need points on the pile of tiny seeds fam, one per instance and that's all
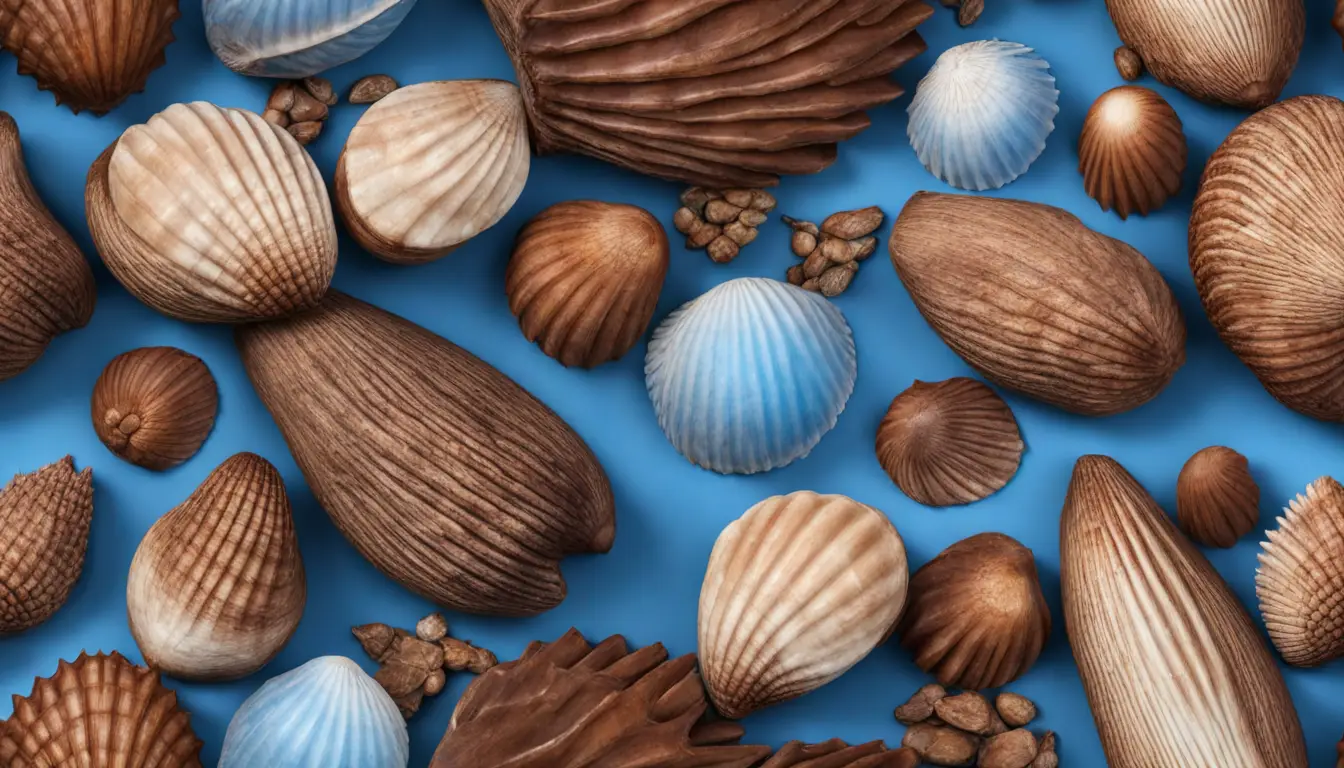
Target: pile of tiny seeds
(413, 666)
(301, 106)
(966, 730)
(721, 222)
(831, 253)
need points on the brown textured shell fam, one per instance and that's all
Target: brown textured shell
(1301, 574)
(1132, 151)
(1338, 23)
(44, 532)
(837, 754)
(1217, 500)
(154, 406)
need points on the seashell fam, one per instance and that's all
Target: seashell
(101, 712)
(46, 286)
(749, 376)
(154, 406)
(976, 617)
(216, 588)
(950, 442)
(1173, 667)
(325, 714)
(430, 166)
(1217, 500)
(213, 215)
(462, 487)
(297, 38)
(1238, 52)
(1037, 302)
(91, 54)
(44, 532)
(981, 115)
(585, 277)
(714, 93)
(1132, 151)
(1299, 576)
(798, 590)
(1337, 21)
(837, 754)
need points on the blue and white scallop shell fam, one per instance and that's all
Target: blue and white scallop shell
(980, 117)
(750, 375)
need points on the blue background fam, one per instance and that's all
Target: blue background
(669, 511)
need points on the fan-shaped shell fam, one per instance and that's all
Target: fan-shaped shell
(798, 590)
(1132, 151)
(44, 532)
(154, 406)
(1300, 574)
(749, 376)
(981, 115)
(213, 215)
(430, 166)
(1217, 500)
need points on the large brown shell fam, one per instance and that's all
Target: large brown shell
(1217, 500)
(154, 406)
(44, 532)
(837, 754)
(1300, 576)
(1132, 151)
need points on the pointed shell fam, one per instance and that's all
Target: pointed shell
(749, 376)
(213, 215)
(585, 277)
(949, 442)
(981, 115)
(798, 590)
(1217, 500)
(1298, 581)
(44, 532)
(1132, 151)
(430, 166)
(154, 406)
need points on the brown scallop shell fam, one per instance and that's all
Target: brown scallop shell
(154, 406)
(1301, 570)
(1217, 500)
(44, 532)
(1132, 151)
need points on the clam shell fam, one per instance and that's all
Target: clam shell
(325, 714)
(981, 115)
(1132, 151)
(798, 590)
(1299, 576)
(44, 532)
(1217, 500)
(213, 215)
(749, 376)
(154, 406)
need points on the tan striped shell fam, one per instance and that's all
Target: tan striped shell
(1300, 581)
(1217, 500)
(154, 406)
(1132, 151)
(44, 534)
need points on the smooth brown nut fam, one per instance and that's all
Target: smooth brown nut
(320, 88)
(739, 233)
(306, 108)
(372, 88)
(968, 711)
(803, 243)
(306, 132)
(851, 225)
(1015, 710)
(722, 249)
(282, 97)
(1014, 749)
(721, 212)
(795, 275)
(836, 280)
(939, 745)
(684, 220)
(920, 706)
(1045, 754)
(816, 264)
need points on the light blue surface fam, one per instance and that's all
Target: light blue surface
(669, 511)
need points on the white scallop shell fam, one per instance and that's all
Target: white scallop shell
(749, 376)
(981, 115)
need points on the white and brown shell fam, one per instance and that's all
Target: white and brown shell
(1132, 151)
(154, 406)
(1217, 500)
(1301, 570)
(44, 533)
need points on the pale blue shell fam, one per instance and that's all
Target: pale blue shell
(749, 376)
(326, 714)
(298, 38)
(980, 117)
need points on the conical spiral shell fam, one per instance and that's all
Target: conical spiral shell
(154, 406)
(213, 215)
(1132, 151)
(1217, 500)
(1300, 581)
(298, 38)
(798, 590)
(44, 532)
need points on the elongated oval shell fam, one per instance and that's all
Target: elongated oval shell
(1037, 302)
(325, 714)
(1132, 151)
(213, 215)
(1217, 500)
(44, 532)
(749, 376)
(430, 166)
(1298, 581)
(798, 590)
(1173, 667)
(981, 115)
(154, 406)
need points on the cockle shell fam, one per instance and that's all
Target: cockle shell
(154, 406)
(1173, 667)
(217, 588)
(430, 166)
(798, 590)
(99, 712)
(1217, 500)
(749, 376)
(1301, 570)
(44, 532)
(1037, 302)
(325, 714)
(1132, 151)
(213, 215)
(981, 115)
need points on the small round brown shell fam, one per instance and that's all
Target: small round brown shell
(1132, 151)
(1217, 500)
(1301, 570)
(154, 406)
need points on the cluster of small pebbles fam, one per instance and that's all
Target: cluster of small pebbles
(966, 730)
(301, 106)
(721, 222)
(413, 666)
(831, 253)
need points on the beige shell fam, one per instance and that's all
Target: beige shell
(1301, 570)
(798, 590)
(949, 442)
(585, 277)
(44, 533)
(1175, 671)
(1132, 151)
(1217, 500)
(213, 215)
(154, 406)
(430, 166)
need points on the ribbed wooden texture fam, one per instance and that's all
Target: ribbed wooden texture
(1300, 581)
(1132, 151)
(837, 754)
(44, 532)
(1217, 500)
(154, 406)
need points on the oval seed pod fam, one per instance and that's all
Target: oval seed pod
(1217, 500)
(1299, 576)
(1132, 151)
(154, 406)
(44, 533)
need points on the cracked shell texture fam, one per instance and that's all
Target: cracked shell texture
(1300, 581)
(1132, 151)
(1217, 500)
(44, 533)
(154, 406)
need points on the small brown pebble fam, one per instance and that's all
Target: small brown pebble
(702, 234)
(435, 682)
(816, 264)
(970, 11)
(432, 628)
(721, 212)
(762, 200)
(795, 276)
(835, 280)
(695, 198)
(372, 88)
(938, 745)
(803, 243)
(798, 225)
(739, 233)
(835, 250)
(306, 109)
(738, 197)
(752, 217)
(851, 225)
(1015, 710)
(684, 219)
(276, 117)
(460, 655)
(810, 284)
(722, 249)
(320, 88)
(282, 97)
(306, 132)
(920, 706)
(375, 639)
(1128, 63)
(1045, 754)
(968, 711)
(863, 247)
(1014, 749)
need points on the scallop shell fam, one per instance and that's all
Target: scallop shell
(1132, 151)
(1298, 581)
(1217, 500)
(950, 442)
(981, 115)
(430, 166)
(44, 532)
(749, 376)
(154, 406)
(798, 590)
(99, 712)
(213, 215)
(325, 714)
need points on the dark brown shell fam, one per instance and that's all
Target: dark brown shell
(1132, 151)
(1301, 570)
(837, 754)
(44, 532)
(154, 406)
(1217, 500)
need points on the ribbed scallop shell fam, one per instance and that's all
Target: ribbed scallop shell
(981, 115)
(325, 714)
(99, 712)
(154, 406)
(1300, 581)
(798, 590)
(213, 215)
(44, 532)
(1132, 151)
(217, 588)
(949, 442)
(1217, 500)
(749, 376)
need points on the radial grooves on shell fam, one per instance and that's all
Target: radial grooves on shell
(169, 395)
(44, 533)
(1132, 151)
(1217, 500)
